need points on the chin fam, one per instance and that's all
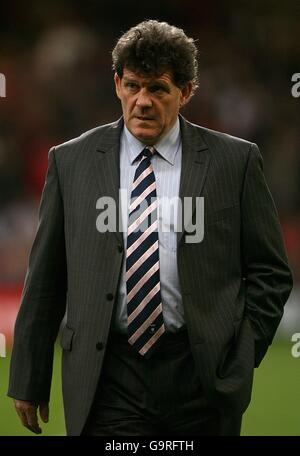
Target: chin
(144, 136)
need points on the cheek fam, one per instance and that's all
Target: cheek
(125, 107)
(129, 105)
(166, 111)
(171, 111)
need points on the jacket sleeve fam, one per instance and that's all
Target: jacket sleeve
(43, 299)
(268, 279)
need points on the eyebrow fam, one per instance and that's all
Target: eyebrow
(152, 82)
(125, 79)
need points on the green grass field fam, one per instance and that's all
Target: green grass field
(274, 409)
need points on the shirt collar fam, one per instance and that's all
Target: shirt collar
(167, 147)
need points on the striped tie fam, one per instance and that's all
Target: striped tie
(144, 306)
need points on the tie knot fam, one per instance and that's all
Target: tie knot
(149, 151)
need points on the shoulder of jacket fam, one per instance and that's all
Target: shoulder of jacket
(218, 138)
(87, 137)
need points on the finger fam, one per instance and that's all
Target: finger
(24, 419)
(20, 406)
(27, 412)
(44, 411)
(33, 419)
(34, 430)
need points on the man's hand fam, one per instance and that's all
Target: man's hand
(27, 412)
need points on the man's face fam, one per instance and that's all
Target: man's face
(150, 104)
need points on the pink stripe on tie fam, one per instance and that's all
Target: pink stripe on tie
(151, 148)
(145, 325)
(153, 339)
(142, 197)
(142, 217)
(142, 281)
(141, 260)
(143, 236)
(141, 177)
(144, 302)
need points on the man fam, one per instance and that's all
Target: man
(162, 334)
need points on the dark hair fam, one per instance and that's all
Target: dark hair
(153, 47)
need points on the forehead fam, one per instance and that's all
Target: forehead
(166, 77)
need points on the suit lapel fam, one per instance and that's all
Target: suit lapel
(194, 166)
(107, 168)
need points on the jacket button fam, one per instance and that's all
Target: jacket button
(99, 346)
(110, 296)
(120, 248)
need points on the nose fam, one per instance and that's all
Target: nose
(143, 100)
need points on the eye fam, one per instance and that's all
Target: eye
(157, 89)
(131, 86)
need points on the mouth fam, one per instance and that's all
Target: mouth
(144, 118)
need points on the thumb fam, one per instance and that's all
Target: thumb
(44, 411)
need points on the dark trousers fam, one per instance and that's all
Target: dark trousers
(158, 396)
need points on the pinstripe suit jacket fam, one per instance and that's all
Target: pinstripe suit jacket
(234, 283)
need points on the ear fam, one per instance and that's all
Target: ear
(186, 94)
(117, 85)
